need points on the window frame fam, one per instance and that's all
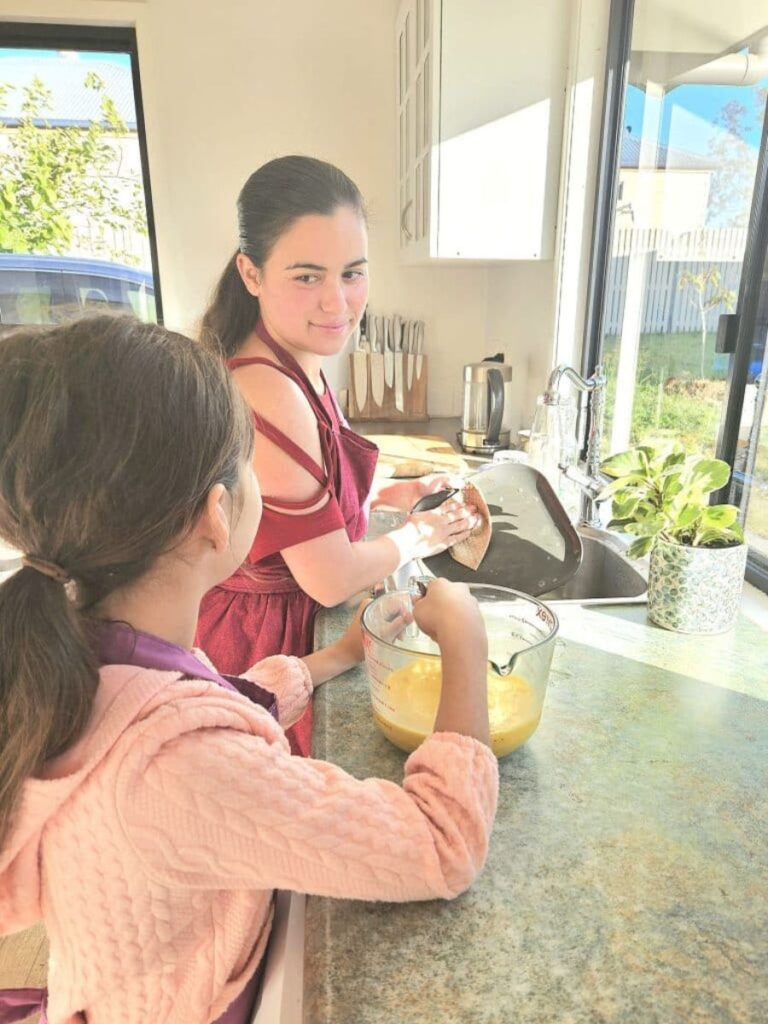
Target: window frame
(104, 39)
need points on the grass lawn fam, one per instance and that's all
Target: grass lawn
(673, 403)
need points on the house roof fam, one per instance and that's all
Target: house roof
(666, 156)
(73, 105)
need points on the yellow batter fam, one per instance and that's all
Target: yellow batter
(413, 692)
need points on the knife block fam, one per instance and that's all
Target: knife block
(373, 387)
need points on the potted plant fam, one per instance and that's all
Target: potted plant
(698, 553)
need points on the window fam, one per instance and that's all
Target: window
(76, 226)
(678, 291)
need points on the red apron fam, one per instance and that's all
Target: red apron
(261, 611)
(118, 644)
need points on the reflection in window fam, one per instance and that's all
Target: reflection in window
(27, 297)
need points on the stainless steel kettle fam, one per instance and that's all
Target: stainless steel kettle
(487, 407)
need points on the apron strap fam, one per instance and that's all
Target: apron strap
(290, 363)
(324, 474)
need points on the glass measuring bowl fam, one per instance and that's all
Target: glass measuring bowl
(404, 666)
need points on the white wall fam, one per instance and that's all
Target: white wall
(521, 324)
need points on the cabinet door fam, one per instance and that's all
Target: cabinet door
(480, 106)
(502, 84)
(416, 127)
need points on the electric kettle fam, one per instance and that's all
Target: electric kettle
(486, 419)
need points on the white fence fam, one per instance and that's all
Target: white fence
(119, 245)
(661, 258)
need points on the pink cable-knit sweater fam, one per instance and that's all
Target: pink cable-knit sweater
(151, 848)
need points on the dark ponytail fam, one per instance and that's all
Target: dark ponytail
(232, 314)
(272, 199)
(48, 678)
(112, 434)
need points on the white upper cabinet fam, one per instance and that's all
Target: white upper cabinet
(480, 90)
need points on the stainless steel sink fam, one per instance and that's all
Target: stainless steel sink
(605, 576)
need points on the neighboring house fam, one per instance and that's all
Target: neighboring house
(660, 234)
(76, 106)
(672, 194)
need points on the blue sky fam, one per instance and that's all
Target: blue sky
(85, 56)
(689, 113)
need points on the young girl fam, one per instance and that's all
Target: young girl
(148, 804)
(290, 296)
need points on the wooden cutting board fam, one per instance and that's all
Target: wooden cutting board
(409, 455)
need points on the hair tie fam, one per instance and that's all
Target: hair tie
(51, 569)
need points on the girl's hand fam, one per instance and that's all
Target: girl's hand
(431, 484)
(404, 494)
(448, 613)
(442, 527)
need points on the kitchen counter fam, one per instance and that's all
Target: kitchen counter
(627, 878)
(445, 427)
(440, 426)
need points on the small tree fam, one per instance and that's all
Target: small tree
(49, 176)
(707, 295)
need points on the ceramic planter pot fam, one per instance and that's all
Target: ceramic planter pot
(695, 590)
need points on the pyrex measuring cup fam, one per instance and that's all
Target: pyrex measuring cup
(405, 669)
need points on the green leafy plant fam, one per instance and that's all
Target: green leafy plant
(53, 177)
(663, 494)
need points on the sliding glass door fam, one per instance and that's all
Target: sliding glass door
(678, 284)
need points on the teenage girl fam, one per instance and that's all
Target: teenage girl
(290, 297)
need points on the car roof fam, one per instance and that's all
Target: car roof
(72, 265)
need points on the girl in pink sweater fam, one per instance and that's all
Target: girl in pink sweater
(149, 805)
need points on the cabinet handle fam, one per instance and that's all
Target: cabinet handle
(403, 226)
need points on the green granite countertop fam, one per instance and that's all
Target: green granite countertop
(627, 879)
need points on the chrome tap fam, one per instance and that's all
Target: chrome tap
(591, 481)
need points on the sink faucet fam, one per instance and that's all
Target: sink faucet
(591, 481)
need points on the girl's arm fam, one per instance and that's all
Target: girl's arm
(339, 657)
(331, 569)
(293, 680)
(254, 817)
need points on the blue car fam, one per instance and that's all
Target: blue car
(50, 289)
